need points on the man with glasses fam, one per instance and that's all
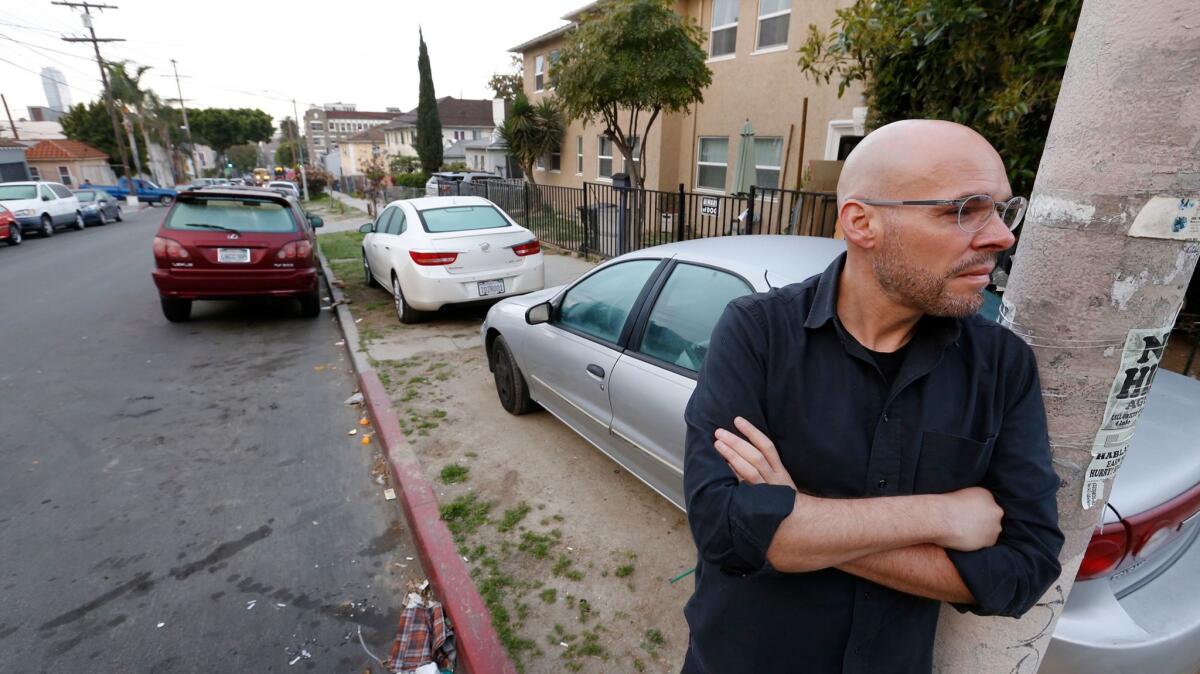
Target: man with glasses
(861, 446)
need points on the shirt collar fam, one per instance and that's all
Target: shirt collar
(942, 329)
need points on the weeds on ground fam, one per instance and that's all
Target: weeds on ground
(512, 517)
(454, 473)
(464, 515)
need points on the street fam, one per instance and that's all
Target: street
(180, 497)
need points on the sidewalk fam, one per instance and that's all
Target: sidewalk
(360, 204)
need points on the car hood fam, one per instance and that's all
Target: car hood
(1164, 454)
(15, 205)
(526, 301)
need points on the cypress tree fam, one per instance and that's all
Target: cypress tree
(429, 125)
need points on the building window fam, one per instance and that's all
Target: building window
(460, 135)
(539, 74)
(64, 175)
(553, 63)
(556, 160)
(768, 156)
(34, 174)
(474, 134)
(712, 163)
(723, 38)
(579, 155)
(773, 19)
(604, 168)
(316, 126)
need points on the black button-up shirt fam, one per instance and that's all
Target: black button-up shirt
(965, 409)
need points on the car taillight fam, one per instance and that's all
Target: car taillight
(169, 249)
(527, 248)
(1151, 530)
(432, 259)
(295, 249)
(1105, 551)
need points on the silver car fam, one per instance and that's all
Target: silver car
(614, 355)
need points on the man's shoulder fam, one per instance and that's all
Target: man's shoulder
(992, 336)
(790, 301)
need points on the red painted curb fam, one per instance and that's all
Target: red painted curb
(479, 648)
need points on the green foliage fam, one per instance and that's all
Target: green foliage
(285, 154)
(288, 128)
(507, 85)
(465, 514)
(630, 60)
(532, 131)
(454, 473)
(513, 516)
(410, 179)
(318, 180)
(89, 123)
(429, 124)
(244, 157)
(993, 65)
(341, 245)
(454, 166)
(222, 128)
(402, 164)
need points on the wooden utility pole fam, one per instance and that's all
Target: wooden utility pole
(1112, 240)
(112, 111)
(16, 136)
(187, 128)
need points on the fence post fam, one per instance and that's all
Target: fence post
(525, 191)
(750, 213)
(584, 219)
(680, 215)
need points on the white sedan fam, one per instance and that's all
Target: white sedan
(436, 251)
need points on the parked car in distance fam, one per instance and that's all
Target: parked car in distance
(443, 183)
(10, 231)
(435, 251)
(239, 182)
(223, 243)
(98, 207)
(615, 356)
(41, 207)
(147, 191)
(284, 186)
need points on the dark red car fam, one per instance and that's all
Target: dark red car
(235, 243)
(10, 231)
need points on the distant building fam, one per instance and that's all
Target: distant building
(41, 113)
(357, 151)
(462, 120)
(58, 96)
(332, 122)
(12, 161)
(69, 162)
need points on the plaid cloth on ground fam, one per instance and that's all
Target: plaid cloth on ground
(423, 636)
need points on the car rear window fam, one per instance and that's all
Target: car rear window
(462, 219)
(244, 215)
(86, 196)
(18, 192)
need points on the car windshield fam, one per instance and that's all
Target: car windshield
(17, 192)
(86, 195)
(462, 218)
(242, 215)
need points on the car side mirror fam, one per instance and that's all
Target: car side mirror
(45, 197)
(315, 221)
(367, 228)
(539, 313)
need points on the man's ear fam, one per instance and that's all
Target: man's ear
(855, 223)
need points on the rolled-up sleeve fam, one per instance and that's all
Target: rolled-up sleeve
(732, 524)
(1008, 578)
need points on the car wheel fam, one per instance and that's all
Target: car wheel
(118, 218)
(167, 200)
(47, 229)
(369, 279)
(14, 235)
(510, 382)
(103, 217)
(310, 305)
(176, 310)
(404, 312)
(79, 223)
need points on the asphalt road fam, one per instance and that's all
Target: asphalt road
(157, 478)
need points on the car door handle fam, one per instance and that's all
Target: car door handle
(596, 371)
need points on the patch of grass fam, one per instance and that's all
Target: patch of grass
(563, 567)
(587, 647)
(539, 545)
(512, 516)
(418, 380)
(548, 595)
(638, 665)
(437, 366)
(410, 394)
(585, 611)
(346, 271)
(341, 245)
(653, 641)
(464, 515)
(493, 588)
(471, 455)
(454, 473)
(623, 571)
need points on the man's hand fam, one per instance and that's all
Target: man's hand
(754, 461)
(972, 519)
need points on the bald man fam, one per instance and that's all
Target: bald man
(861, 446)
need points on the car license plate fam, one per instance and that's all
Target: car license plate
(237, 255)
(491, 288)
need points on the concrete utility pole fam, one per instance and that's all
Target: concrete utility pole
(299, 155)
(112, 110)
(1112, 240)
(187, 128)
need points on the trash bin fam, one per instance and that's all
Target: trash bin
(600, 223)
(621, 180)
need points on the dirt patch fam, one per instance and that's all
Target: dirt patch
(573, 555)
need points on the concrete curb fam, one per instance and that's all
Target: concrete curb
(479, 647)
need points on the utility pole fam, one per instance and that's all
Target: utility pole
(112, 111)
(299, 155)
(1112, 241)
(16, 136)
(187, 129)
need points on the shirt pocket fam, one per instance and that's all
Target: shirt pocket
(951, 462)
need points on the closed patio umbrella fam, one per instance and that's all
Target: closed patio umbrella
(743, 171)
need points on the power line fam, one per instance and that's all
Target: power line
(28, 70)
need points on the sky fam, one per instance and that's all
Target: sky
(263, 54)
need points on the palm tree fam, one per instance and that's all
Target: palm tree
(127, 88)
(532, 131)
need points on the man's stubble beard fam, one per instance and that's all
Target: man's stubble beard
(919, 289)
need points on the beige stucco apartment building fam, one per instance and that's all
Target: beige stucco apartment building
(752, 54)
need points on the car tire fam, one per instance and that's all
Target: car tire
(79, 223)
(369, 279)
(47, 229)
(310, 305)
(166, 200)
(404, 312)
(176, 310)
(510, 381)
(119, 218)
(103, 217)
(15, 237)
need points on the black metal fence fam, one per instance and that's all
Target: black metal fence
(607, 220)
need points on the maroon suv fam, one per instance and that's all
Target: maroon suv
(234, 243)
